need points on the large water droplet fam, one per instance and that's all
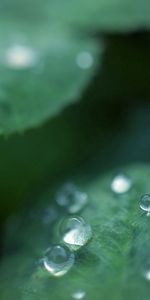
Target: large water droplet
(80, 294)
(145, 203)
(121, 184)
(58, 260)
(75, 232)
(71, 198)
(85, 60)
(20, 57)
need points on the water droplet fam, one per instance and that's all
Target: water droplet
(85, 60)
(71, 198)
(145, 203)
(20, 57)
(75, 232)
(80, 294)
(58, 260)
(121, 184)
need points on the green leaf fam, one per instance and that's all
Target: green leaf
(40, 73)
(110, 15)
(52, 40)
(111, 265)
(106, 16)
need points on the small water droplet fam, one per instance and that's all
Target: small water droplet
(85, 60)
(58, 260)
(20, 57)
(80, 294)
(121, 184)
(145, 203)
(75, 232)
(71, 198)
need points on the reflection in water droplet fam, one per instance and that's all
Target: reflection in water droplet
(71, 198)
(80, 294)
(58, 260)
(121, 184)
(20, 57)
(145, 203)
(85, 60)
(75, 232)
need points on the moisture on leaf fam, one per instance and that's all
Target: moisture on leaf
(114, 264)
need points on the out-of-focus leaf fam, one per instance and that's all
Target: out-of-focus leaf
(112, 264)
(108, 16)
(111, 15)
(40, 73)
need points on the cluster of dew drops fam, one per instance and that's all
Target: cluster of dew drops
(75, 232)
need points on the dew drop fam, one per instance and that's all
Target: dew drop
(121, 184)
(75, 232)
(71, 198)
(85, 60)
(58, 260)
(80, 294)
(20, 57)
(145, 203)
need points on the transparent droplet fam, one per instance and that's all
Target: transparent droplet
(145, 203)
(58, 260)
(71, 198)
(121, 184)
(75, 232)
(85, 60)
(20, 57)
(80, 294)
